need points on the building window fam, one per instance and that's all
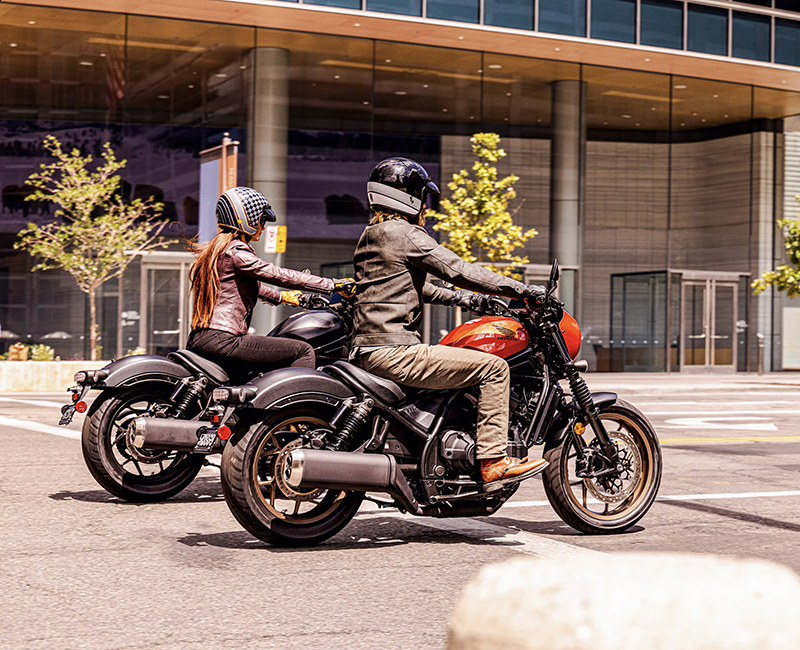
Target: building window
(517, 14)
(405, 7)
(563, 17)
(465, 11)
(750, 36)
(788, 5)
(346, 4)
(708, 30)
(662, 24)
(614, 20)
(787, 42)
(760, 3)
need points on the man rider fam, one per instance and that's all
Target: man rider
(392, 260)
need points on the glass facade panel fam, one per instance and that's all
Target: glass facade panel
(465, 11)
(563, 17)
(787, 42)
(405, 7)
(662, 24)
(346, 4)
(614, 20)
(517, 14)
(750, 36)
(788, 5)
(707, 30)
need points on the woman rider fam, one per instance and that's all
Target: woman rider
(226, 280)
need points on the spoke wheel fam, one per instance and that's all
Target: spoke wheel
(133, 474)
(611, 503)
(253, 465)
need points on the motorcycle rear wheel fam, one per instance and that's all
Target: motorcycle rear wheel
(133, 474)
(252, 472)
(612, 504)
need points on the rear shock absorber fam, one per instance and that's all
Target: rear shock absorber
(355, 421)
(583, 396)
(192, 391)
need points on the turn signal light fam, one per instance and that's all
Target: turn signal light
(81, 407)
(79, 377)
(223, 433)
(220, 394)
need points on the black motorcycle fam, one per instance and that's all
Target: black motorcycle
(307, 445)
(174, 389)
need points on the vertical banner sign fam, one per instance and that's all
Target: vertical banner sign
(218, 172)
(275, 239)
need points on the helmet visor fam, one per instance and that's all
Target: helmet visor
(267, 216)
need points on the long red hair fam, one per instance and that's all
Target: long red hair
(204, 275)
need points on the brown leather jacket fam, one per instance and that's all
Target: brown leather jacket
(241, 272)
(392, 260)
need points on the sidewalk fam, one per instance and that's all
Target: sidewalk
(644, 382)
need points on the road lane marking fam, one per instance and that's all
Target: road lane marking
(677, 497)
(33, 402)
(28, 425)
(702, 441)
(770, 412)
(514, 539)
(752, 423)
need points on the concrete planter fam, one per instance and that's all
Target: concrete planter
(41, 376)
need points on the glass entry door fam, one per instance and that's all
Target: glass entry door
(165, 308)
(708, 337)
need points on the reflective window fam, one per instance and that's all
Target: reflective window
(563, 17)
(750, 36)
(465, 11)
(788, 5)
(614, 20)
(517, 14)
(347, 4)
(760, 3)
(662, 23)
(708, 30)
(405, 7)
(787, 42)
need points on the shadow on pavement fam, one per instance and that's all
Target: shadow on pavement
(555, 527)
(734, 514)
(201, 489)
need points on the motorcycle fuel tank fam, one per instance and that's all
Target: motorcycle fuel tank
(316, 327)
(496, 335)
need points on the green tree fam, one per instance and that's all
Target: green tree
(785, 278)
(476, 217)
(96, 234)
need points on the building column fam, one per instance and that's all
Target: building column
(567, 174)
(267, 150)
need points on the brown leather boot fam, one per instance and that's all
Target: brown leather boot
(497, 472)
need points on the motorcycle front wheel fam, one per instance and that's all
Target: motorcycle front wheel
(615, 502)
(253, 470)
(133, 474)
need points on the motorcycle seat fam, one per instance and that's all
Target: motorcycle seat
(384, 389)
(193, 362)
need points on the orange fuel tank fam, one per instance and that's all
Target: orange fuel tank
(572, 334)
(496, 335)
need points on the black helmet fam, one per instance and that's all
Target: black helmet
(242, 208)
(401, 185)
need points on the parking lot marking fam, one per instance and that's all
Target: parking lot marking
(29, 425)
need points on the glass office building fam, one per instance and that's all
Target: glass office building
(655, 142)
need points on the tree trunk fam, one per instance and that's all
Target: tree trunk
(92, 324)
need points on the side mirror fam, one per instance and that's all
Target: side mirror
(554, 273)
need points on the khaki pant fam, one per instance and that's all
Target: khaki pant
(439, 366)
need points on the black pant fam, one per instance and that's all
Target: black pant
(246, 353)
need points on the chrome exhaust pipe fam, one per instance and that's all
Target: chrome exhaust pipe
(345, 470)
(166, 434)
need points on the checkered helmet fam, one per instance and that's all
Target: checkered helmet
(242, 208)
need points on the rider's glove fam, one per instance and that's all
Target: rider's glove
(291, 298)
(462, 298)
(533, 291)
(345, 286)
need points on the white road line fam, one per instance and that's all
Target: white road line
(726, 412)
(517, 540)
(677, 497)
(28, 425)
(34, 402)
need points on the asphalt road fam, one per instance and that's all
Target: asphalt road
(83, 570)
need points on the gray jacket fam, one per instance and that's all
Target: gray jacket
(392, 260)
(240, 271)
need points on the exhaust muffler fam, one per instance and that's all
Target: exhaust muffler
(346, 470)
(167, 434)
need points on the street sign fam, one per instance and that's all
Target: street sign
(275, 239)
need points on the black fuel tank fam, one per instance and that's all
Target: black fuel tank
(317, 327)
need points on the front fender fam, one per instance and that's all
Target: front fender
(558, 427)
(139, 368)
(283, 387)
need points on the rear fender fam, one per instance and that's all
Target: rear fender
(281, 388)
(558, 428)
(139, 368)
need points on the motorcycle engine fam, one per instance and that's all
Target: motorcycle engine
(457, 451)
